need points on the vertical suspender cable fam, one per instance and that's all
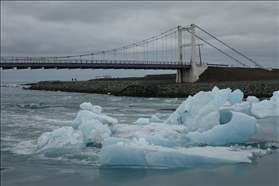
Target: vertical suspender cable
(162, 48)
(153, 49)
(134, 52)
(219, 50)
(156, 50)
(229, 47)
(147, 51)
(171, 48)
(166, 47)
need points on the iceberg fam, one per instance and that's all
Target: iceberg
(235, 97)
(220, 97)
(239, 129)
(140, 153)
(153, 130)
(154, 118)
(198, 132)
(64, 139)
(266, 108)
(252, 99)
(86, 106)
(165, 135)
(197, 113)
(88, 115)
(89, 127)
(142, 121)
(94, 131)
(226, 111)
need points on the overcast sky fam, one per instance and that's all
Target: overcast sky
(68, 28)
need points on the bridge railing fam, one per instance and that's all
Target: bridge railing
(30, 60)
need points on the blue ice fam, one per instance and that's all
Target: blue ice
(213, 118)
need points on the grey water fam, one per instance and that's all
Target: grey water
(26, 114)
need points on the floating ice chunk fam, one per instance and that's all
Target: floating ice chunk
(161, 116)
(243, 107)
(142, 121)
(197, 113)
(131, 131)
(220, 97)
(97, 109)
(123, 152)
(275, 96)
(166, 138)
(88, 127)
(117, 151)
(252, 99)
(190, 157)
(266, 108)
(240, 128)
(114, 140)
(154, 118)
(61, 140)
(237, 127)
(88, 115)
(235, 97)
(270, 123)
(86, 106)
(254, 151)
(93, 131)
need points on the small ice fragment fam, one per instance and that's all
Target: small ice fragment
(142, 121)
(86, 106)
(266, 108)
(235, 97)
(120, 143)
(155, 119)
(252, 99)
(97, 109)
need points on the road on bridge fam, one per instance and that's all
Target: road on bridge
(91, 64)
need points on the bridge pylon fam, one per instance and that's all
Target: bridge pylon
(188, 75)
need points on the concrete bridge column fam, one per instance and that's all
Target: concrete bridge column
(188, 75)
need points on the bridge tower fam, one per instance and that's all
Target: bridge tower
(188, 75)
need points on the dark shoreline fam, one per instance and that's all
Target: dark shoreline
(252, 82)
(129, 88)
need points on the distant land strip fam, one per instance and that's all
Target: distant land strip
(251, 81)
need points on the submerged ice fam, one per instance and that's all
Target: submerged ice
(199, 131)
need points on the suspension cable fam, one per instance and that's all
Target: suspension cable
(228, 46)
(219, 50)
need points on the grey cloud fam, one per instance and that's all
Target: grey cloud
(61, 28)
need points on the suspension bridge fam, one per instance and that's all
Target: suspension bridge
(167, 51)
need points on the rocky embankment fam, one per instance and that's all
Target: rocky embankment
(101, 87)
(256, 82)
(258, 89)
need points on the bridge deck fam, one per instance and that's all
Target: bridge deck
(90, 64)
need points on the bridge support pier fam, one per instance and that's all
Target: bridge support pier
(188, 75)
